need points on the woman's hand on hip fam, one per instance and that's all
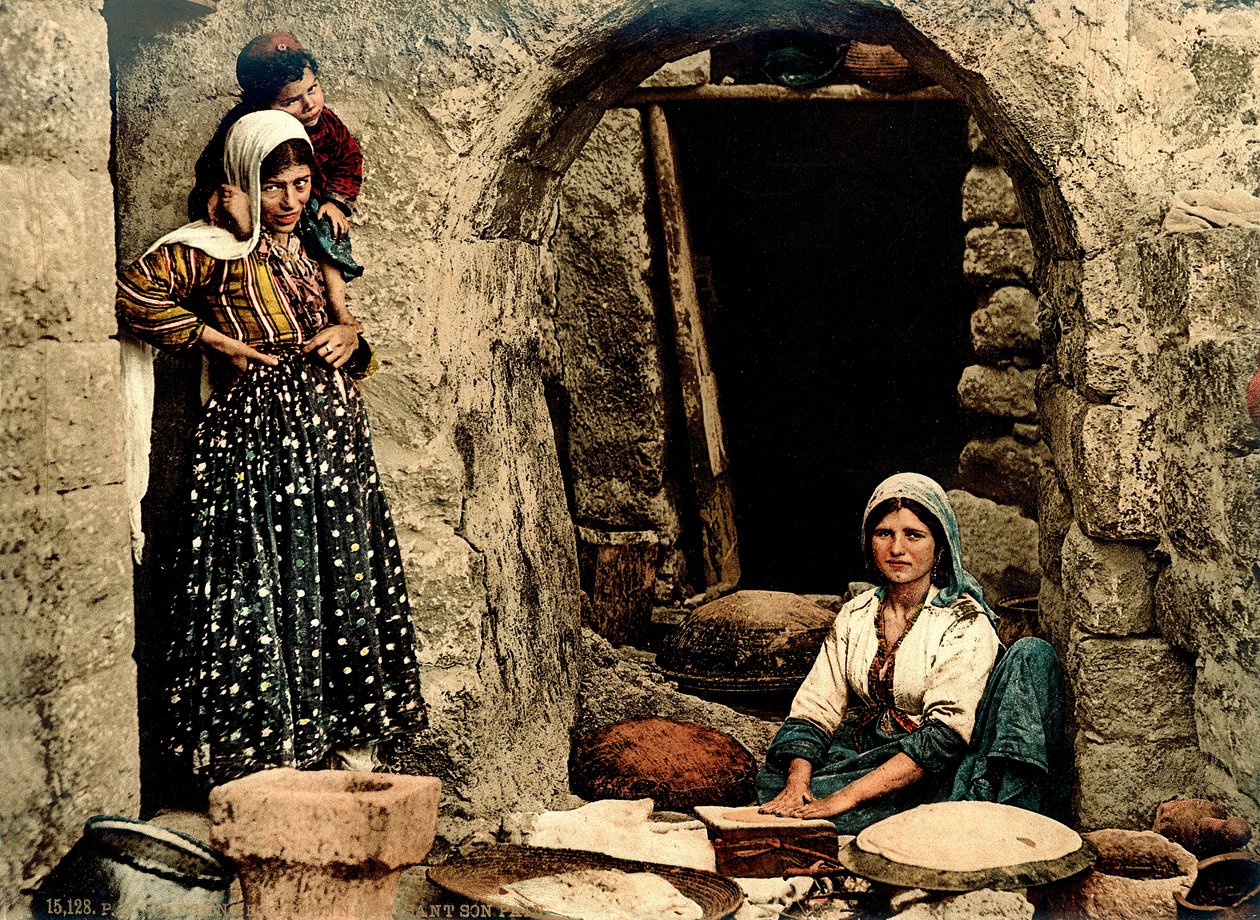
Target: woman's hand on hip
(236, 353)
(333, 344)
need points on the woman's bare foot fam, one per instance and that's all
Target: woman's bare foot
(228, 208)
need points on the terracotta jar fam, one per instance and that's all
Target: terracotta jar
(1227, 888)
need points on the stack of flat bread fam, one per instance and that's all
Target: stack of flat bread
(603, 894)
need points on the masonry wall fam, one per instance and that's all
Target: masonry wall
(999, 467)
(470, 115)
(67, 682)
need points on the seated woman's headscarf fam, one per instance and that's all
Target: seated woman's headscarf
(248, 144)
(928, 493)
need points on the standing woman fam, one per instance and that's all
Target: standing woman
(294, 639)
(911, 699)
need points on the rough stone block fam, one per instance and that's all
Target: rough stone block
(67, 608)
(1055, 620)
(689, 71)
(1133, 690)
(62, 417)
(979, 144)
(1054, 517)
(1061, 414)
(93, 746)
(1208, 607)
(973, 905)
(995, 255)
(1196, 284)
(1120, 784)
(989, 197)
(1117, 494)
(1005, 470)
(1006, 324)
(1201, 388)
(1226, 713)
(25, 803)
(999, 546)
(57, 276)
(54, 62)
(1118, 347)
(1108, 585)
(1005, 392)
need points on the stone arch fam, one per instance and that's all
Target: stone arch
(474, 116)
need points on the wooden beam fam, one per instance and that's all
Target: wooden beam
(758, 92)
(697, 384)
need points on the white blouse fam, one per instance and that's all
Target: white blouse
(941, 667)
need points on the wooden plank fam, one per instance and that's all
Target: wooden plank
(697, 384)
(759, 92)
(618, 574)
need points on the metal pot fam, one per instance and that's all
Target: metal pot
(127, 869)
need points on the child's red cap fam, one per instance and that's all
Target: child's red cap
(259, 49)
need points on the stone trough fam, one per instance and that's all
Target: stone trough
(323, 843)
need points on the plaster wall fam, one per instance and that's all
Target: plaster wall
(470, 114)
(67, 683)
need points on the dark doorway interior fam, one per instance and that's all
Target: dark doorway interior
(839, 332)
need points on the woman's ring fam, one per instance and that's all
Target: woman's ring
(328, 349)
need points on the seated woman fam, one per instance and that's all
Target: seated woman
(294, 634)
(911, 699)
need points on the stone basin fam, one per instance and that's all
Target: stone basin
(323, 843)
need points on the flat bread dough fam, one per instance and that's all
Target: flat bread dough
(605, 894)
(968, 836)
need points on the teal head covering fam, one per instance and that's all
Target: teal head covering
(928, 493)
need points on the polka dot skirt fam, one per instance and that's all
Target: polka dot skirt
(297, 633)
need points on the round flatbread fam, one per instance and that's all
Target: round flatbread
(968, 836)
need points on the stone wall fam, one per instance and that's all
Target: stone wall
(67, 682)
(1000, 466)
(470, 114)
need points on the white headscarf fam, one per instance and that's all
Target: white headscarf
(248, 143)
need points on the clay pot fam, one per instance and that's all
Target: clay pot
(882, 68)
(1202, 827)
(1137, 875)
(1227, 888)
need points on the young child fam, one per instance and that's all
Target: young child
(276, 72)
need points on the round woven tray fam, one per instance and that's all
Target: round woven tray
(480, 876)
(1004, 878)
